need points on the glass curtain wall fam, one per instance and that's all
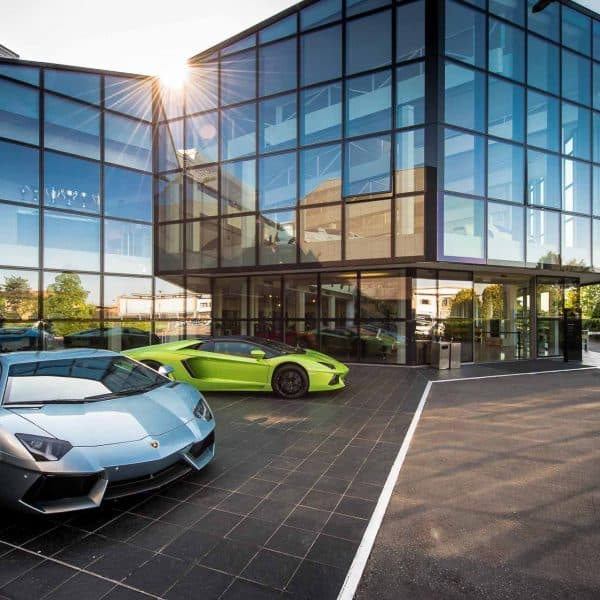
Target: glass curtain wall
(75, 209)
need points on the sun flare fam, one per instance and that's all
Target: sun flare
(173, 74)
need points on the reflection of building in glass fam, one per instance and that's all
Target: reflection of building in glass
(340, 176)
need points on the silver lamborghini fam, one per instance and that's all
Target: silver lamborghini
(81, 426)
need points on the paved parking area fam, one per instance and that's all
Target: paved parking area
(499, 496)
(278, 514)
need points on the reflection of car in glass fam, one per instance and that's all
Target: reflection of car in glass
(13, 339)
(246, 363)
(114, 338)
(342, 341)
(81, 426)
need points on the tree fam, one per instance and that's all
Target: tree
(67, 300)
(590, 301)
(18, 300)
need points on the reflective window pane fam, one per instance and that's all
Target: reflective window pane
(410, 226)
(238, 78)
(71, 183)
(170, 197)
(545, 22)
(170, 101)
(202, 240)
(596, 86)
(277, 238)
(321, 175)
(368, 229)
(201, 189)
(543, 179)
(277, 67)
(465, 34)
(71, 241)
(19, 173)
(202, 88)
(83, 86)
(238, 241)
(576, 186)
(170, 247)
(127, 247)
(321, 55)
(19, 235)
(576, 30)
(127, 298)
(596, 244)
(464, 163)
(278, 122)
(369, 103)
(238, 187)
(277, 181)
(506, 50)
(265, 301)
(576, 131)
(542, 64)
(320, 13)
(280, 29)
(127, 142)
(230, 298)
(576, 242)
(410, 31)
(506, 106)
(596, 137)
(170, 146)
(355, 7)
(321, 116)
(238, 131)
(513, 10)
(71, 296)
(202, 139)
(465, 97)
(367, 166)
(22, 73)
(576, 84)
(543, 121)
(169, 300)
(410, 161)
(19, 110)
(368, 42)
(463, 228)
(71, 127)
(505, 234)
(321, 234)
(132, 97)
(543, 238)
(127, 194)
(382, 295)
(410, 95)
(19, 292)
(506, 172)
(596, 190)
(300, 292)
(243, 44)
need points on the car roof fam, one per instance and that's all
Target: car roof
(13, 358)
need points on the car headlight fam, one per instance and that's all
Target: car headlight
(43, 448)
(202, 411)
(326, 364)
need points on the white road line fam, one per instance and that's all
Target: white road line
(359, 563)
(364, 550)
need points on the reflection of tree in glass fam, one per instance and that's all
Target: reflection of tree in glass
(462, 303)
(67, 300)
(17, 300)
(492, 302)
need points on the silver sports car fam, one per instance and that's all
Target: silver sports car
(81, 426)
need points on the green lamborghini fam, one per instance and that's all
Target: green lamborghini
(244, 363)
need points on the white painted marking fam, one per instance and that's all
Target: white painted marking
(364, 550)
(359, 563)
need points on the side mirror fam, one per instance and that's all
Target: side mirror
(165, 370)
(257, 354)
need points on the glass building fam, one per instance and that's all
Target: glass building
(359, 176)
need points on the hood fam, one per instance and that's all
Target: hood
(117, 420)
(319, 356)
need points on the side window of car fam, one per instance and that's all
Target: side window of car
(233, 348)
(205, 347)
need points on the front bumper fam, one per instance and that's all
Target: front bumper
(105, 472)
(333, 379)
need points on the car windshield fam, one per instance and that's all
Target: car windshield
(278, 347)
(78, 380)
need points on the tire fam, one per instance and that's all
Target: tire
(153, 364)
(290, 381)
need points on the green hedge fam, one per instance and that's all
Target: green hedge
(591, 324)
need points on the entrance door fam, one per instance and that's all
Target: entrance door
(502, 308)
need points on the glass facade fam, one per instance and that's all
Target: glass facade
(317, 161)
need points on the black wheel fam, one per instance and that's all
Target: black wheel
(153, 364)
(290, 381)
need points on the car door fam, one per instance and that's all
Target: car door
(228, 365)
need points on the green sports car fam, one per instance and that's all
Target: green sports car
(244, 363)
